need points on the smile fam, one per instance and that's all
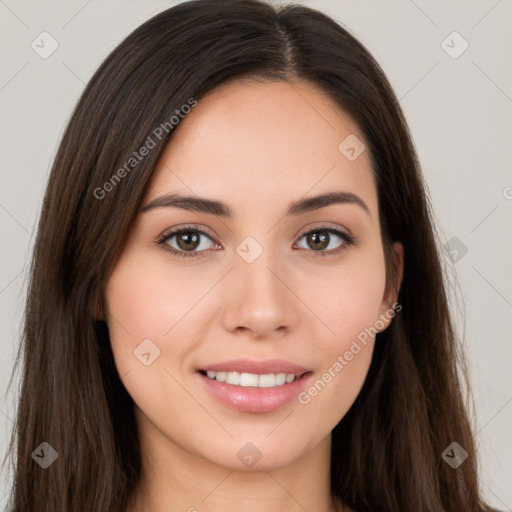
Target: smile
(254, 393)
(268, 380)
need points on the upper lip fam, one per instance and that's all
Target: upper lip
(256, 367)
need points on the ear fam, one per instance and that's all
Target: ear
(392, 286)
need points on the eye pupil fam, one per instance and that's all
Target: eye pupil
(188, 240)
(318, 239)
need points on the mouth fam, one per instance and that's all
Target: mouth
(254, 386)
(255, 380)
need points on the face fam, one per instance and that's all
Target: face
(282, 297)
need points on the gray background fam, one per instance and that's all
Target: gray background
(459, 111)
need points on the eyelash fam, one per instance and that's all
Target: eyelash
(347, 240)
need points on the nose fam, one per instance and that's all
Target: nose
(259, 298)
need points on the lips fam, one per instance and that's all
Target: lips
(250, 398)
(257, 367)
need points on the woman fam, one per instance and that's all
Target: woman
(236, 297)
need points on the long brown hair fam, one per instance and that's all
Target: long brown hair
(387, 450)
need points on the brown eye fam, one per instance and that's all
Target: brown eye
(320, 239)
(186, 242)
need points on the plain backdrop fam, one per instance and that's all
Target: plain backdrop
(456, 92)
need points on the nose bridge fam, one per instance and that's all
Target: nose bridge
(253, 268)
(260, 300)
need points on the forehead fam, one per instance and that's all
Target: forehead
(263, 140)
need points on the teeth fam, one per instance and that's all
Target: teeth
(252, 379)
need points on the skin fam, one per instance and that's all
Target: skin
(258, 147)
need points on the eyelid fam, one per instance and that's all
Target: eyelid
(188, 227)
(327, 227)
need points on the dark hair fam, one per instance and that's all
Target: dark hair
(386, 451)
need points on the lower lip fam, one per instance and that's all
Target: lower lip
(253, 399)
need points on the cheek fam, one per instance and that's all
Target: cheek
(151, 333)
(346, 298)
(152, 308)
(348, 304)
(148, 298)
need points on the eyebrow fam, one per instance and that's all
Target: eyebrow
(214, 207)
